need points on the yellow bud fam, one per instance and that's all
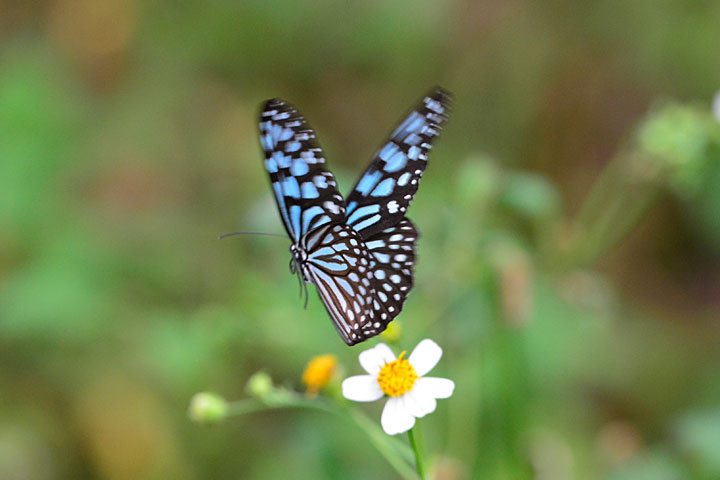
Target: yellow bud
(393, 332)
(318, 372)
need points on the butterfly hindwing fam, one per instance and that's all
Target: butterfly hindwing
(363, 285)
(340, 266)
(382, 195)
(305, 192)
(393, 261)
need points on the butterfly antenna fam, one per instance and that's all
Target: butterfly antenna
(252, 233)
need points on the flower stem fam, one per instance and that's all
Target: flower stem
(617, 202)
(418, 455)
(395, 452)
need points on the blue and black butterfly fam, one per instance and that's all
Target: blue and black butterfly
(359, 252)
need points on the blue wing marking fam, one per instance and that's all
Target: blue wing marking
(366, 223)
(290, 187)
(394, 158)
(388, 151)
(323, 251)
(282, 160)
(384, 188)
(277, 188)
(320, 181)
(286, 134)
(368, 181)
(345, 285)
(309, 214)
(299, 167)
(281, 134)
(267, 142)
(411, 124)
(295, 214)
(271, 165)
(375, 244)
(397, 162)
(350, 207)
(414, 153)
(413, 139)
(362, 212)
(338, 266)
(382, 257)
(309, 190)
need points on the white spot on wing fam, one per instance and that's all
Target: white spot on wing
(331, 207)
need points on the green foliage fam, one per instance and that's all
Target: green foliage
(568, 263)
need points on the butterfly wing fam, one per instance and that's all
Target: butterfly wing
(377, 205)
(393, 261)
(339, 264)
(305, 192)
(360, 258)
(382, 195)
(362, 285)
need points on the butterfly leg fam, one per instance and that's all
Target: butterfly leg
(307, 295)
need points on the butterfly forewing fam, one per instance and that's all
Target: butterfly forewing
(382, 195)
(306, 193)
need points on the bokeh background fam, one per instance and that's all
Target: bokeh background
(569, 262)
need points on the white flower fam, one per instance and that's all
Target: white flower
(716, 106)
(411, 394)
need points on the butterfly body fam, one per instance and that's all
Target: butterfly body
(359, 252)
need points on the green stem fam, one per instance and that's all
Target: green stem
(397, 454)
(618, 200)
(418, 455)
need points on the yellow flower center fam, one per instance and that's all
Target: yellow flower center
(318, 372)
(397, 377)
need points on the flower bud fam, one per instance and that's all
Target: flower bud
(318, 372)
(207, 407)
(678, 138)
(259, 385)
(393, 332)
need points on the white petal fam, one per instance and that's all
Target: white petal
(419, 403)
(374, 359)
(395, 417)
(361, 388)
(425, 356)
(435, 387)
(716, 106)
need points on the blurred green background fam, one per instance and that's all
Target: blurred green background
(569, 262)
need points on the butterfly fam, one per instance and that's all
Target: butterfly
(358, 251)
